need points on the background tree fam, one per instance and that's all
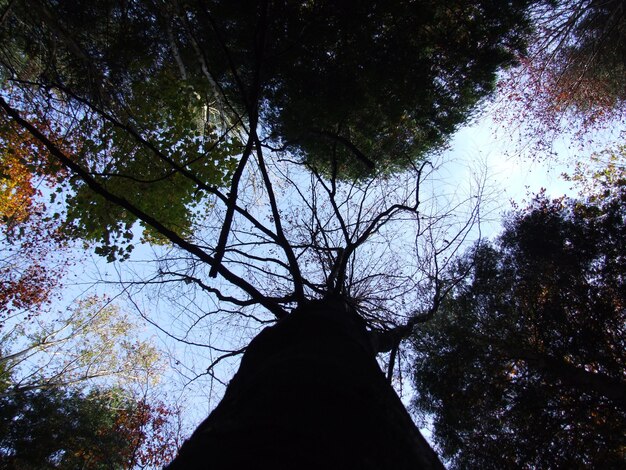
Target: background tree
(94, 340)
(68, 428)
(525, 365)
(79, 391)
(572, 79)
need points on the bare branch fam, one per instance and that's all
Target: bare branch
(95, 186)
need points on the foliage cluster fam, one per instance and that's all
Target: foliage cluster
(32, 247)
(525, 364)
(71, 428)
(571, 81)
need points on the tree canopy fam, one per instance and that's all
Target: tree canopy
(572, 78)
(524, 365)
(93, 341)
(78, 391)
(382, 83)
(155, 107)
(70, 428)
(377, 84)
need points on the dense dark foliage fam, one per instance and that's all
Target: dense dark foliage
(383, 81)
(70, 429)
(369, 84)
(524, 368)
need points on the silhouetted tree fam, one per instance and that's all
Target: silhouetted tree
(525, 365)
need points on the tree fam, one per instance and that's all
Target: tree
(403, 76)
(572, 79)
(70, 428)
(382, 93)
(525, 365)
(78, 392)
(33, 255)
(127, 130)
(297, 239)
(95, 340)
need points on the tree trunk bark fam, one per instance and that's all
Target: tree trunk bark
(309, 394)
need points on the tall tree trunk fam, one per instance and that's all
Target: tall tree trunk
(309, 394)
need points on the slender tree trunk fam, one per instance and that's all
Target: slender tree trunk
(309, 394)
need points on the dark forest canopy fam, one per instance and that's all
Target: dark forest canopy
(68, 428)
(525, 364)
(164, 102)
(375, 85)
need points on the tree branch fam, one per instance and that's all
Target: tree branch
(95, 186)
